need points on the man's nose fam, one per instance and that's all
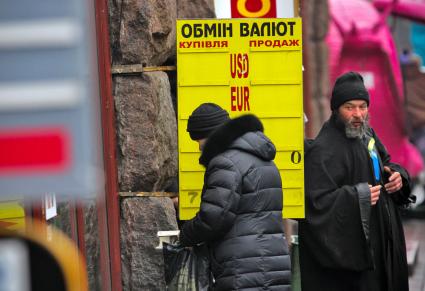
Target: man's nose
(356, 112)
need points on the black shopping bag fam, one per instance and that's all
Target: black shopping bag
(186, 269)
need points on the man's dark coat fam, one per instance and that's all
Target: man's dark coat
(345, 243)
(240, 216)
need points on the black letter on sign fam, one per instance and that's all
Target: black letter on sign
(193, 194)
(296, 157)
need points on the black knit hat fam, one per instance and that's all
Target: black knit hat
(348, 86)
(205, 119)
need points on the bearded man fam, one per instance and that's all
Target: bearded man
(352, 237)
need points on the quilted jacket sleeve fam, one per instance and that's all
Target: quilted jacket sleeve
(219, 203)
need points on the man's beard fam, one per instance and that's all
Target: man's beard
(352, 131)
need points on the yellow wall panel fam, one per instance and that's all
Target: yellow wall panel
(186, 162)
(206, 70)
(293, 196)
(187, 213)
(12, 215)
(293, 211)
(292, 178)
(191, 97)
(277, 100)
(191, 180)
(11, 209)
(276, 67)
(286, 133)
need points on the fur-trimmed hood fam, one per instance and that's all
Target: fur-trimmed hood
(243, 133)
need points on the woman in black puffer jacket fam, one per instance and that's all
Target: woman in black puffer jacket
(240, 216)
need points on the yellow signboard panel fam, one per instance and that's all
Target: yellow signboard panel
(245, 66)
(12, 215)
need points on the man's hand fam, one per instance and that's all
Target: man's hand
(395, 182)
(175, 202)
(375, 191)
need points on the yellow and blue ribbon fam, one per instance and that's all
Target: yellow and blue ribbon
(374, 156)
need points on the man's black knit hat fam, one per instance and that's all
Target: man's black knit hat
(348, 86)
(205, 119)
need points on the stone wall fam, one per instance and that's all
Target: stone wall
(141, 218)
(146, 130)
(143, 32)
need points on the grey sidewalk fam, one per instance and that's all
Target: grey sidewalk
(415, 242)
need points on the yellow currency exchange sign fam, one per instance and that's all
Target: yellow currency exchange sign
(245, 66)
